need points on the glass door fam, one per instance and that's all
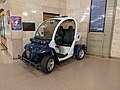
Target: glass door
(3, 32)
(0, 25)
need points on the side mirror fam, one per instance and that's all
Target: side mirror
(78, 36)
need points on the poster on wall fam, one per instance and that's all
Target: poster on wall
(8, 16)
(97, 17)
(16, 23)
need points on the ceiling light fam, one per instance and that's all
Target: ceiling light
(84, 16)
(88, 8)
(86, 13)
(118, 7)
(33, 11)
(25, 14)
(82, 20)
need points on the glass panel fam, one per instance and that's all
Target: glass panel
(46, 29)
(2, 32)
(68, 23)
(97, 18)
(4, 26)
(0, 25)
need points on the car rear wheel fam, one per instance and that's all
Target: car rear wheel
(80, 54)
(48, 64)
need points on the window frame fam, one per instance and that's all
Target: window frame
(90, 30)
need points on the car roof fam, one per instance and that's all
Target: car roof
(63, 18)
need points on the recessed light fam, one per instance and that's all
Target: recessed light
(86, 13)
(25, 13)
(33, 11)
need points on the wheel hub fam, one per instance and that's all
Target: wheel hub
(81, 54)
(50, 64)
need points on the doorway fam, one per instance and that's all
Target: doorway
(3, 27)
(47, 15)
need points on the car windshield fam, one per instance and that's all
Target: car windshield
(46, 29)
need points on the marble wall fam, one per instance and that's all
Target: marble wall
(32, 11)
(100, 43)
(115, 49)
(80, 10)
(109, 27)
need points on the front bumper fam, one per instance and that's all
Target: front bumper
(37, 66)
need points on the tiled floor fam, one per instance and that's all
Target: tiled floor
(93, 73)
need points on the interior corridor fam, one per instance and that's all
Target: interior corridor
(93, 73)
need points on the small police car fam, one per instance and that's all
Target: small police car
(53, 42)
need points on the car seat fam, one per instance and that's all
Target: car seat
(59, 35)
(69, 36)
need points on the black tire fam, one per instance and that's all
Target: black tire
(45, 64)
(81, 54)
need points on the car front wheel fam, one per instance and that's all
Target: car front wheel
(48, 64)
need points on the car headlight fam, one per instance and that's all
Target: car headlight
(28, 54)
(42, 52)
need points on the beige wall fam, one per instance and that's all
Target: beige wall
(18, 7)
(115, 49)
(80, 10)
(109, 24)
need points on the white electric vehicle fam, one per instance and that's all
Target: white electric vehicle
(54, 41)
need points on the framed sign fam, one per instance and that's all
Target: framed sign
(97, 16)
(28, 26)
(16, 23)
